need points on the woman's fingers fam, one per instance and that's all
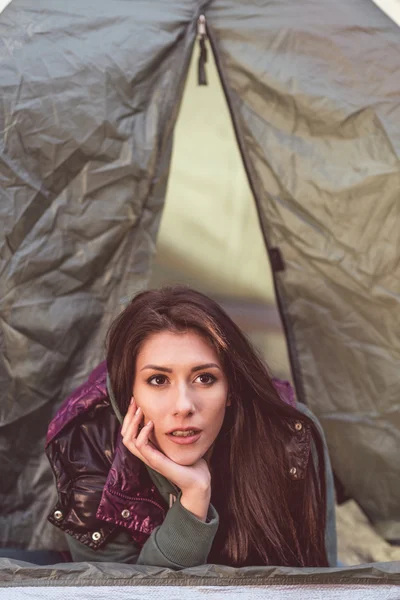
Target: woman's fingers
(142, 439)
(151, 455)
(129, 415)
(131, 446)
(145, 445)
(131, 423)
(139, 443)
(130, 428)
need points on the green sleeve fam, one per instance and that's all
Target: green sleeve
(181, 541)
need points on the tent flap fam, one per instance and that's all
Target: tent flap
(315, 102)
(89, 101)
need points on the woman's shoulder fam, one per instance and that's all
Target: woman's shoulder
(287, 394)
(84, 429)
(82, 437)
(92, 474)
(84, 400)
(285, 391)
(297, 431)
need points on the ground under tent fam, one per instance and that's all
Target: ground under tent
(90, 100)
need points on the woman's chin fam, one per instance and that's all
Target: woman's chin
(185, 458)
(185, 461)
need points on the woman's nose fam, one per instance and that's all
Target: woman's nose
(184, 403)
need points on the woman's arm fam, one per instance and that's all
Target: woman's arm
(181, 541)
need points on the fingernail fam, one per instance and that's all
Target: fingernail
(150, 423)
(132, 400)
(137, 410)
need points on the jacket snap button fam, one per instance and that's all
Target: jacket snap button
(96, 536)
(293, 471)
(299, 426)
(126, 513)
(58, 515)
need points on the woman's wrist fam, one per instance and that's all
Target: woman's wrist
(197, 502)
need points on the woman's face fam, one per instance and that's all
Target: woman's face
(180, 386)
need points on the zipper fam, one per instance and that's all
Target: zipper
(272, 252)
(151, 502)
(202, 35)
(135, 499)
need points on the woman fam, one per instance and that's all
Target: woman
(214, 461)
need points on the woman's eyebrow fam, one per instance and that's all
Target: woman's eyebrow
(206, 366)
(167, 370)
(156, 368)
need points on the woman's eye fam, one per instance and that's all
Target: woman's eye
(157, 380)
(206, 378)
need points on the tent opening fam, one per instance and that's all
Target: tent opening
(210, 236)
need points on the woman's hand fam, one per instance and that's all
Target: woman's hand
(194, 481)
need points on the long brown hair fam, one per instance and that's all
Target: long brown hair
(266, 517)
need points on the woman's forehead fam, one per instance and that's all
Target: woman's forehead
(177, 348)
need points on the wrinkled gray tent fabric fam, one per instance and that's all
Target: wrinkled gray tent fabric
(89, 582)
(18, 574)
(314, 88)
(89, 97)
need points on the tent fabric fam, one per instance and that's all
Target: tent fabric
(93, 582)
(381, 577)
(316, 106)
(89, 102)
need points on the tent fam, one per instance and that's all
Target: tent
(85, 581)
(90, 98)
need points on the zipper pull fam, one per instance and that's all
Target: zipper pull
(202, 34)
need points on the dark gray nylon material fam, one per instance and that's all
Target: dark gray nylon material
(89, 99)
(314, 87)
(89, 96)
(18, 573)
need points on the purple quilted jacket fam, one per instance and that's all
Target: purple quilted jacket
(101, 485)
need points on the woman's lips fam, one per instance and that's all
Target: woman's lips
(190, 439)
